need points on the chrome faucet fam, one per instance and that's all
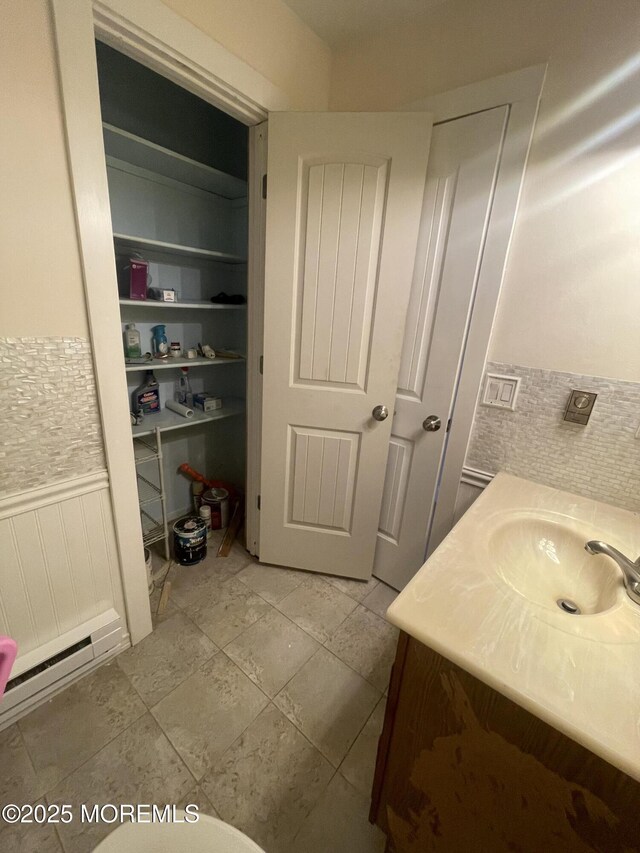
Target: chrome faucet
(630, 570)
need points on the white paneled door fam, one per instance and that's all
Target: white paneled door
(345, 194)
(463, 167)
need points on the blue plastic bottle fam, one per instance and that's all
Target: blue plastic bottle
(159, 342)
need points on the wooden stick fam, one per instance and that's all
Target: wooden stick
(164, 598)
(231, 531)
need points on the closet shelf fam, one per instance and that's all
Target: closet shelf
(156, 364)
(151, 304)
(167, 420)
(147, 246)
(147, 155)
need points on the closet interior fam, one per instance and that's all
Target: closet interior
(177, 175)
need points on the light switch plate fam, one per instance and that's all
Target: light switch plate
(501, 392)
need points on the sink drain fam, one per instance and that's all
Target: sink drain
(568, 606)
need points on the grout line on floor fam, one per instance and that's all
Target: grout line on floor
(270, 700)
(93, 755)
(346, 755)
(26, 747)
(47, 791)
(315, 639)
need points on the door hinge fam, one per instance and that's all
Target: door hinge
(261, 365)
(264, 186)
(258, 501)
(448, 425)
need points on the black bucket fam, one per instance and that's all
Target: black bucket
(190, 540)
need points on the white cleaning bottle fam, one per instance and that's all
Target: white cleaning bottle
(183, 393)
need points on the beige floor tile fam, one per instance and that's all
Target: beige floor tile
(366, 643)
(190, 583)
(360, 762)
(353, 588)
(268, 781)
(329, 703)
(380, 598)
(317, 607)
(271, 651)
(63, 733)
(166, 657)
(339, 823)
(29, 838)
(19, 782)
(223, 611)
(140, 766)
(207, 712)
(271, 582)
(238, 558)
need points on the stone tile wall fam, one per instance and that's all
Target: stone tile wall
(600, 460)
(50, 425)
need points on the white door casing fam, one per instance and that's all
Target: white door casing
(343, 209)
(461, 177)
(151, 33)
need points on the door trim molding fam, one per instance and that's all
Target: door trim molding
(521, 91)
(154, 35)
(525, 84)
(157, 37)
(258, 142)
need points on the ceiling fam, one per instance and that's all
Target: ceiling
(339, 21)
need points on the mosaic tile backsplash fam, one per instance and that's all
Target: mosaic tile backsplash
(600, 460)
(49, 409)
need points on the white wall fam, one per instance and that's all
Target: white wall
(571, 298)
(41, 281)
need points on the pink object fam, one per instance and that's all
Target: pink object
(138, 276)
(8, 652)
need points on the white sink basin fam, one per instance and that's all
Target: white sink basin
(487, 598)
(543, 559)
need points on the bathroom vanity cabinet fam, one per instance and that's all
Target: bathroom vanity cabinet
(461, 768)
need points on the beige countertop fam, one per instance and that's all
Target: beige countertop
(579, 673)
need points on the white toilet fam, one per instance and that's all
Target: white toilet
(208, 835)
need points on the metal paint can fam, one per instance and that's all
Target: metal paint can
(190, 540)
(148, 562)
(218, 500)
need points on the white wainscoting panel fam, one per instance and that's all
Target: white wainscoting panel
(472, 484)
(58, 562)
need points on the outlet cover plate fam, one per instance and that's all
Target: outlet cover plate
(500, 392)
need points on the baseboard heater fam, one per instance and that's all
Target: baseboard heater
(39, 674)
